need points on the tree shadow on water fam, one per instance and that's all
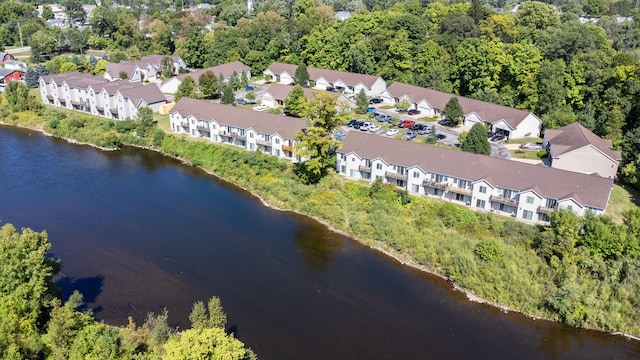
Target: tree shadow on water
(89, 287)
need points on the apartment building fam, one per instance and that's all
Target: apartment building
(524, 191)
(116, 100)
(252, 130)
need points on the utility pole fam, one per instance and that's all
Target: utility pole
(20, 31)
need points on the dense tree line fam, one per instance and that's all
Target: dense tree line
(36, 324)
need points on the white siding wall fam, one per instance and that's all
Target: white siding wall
(586, 160)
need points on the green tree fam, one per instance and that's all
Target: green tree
(404, 105)
(101, 67)
(186, 88)
(145, 121)
(18, 96)
(47, 12)
(453, 111)
(476, 140)
(315, 144)
(227, 95)
(74, 10)
(31, 78)
(194, 54)
(234, 81)
(167, 66)
(64, 324)
(123, 75)
(362, 103)
(301, 76)
(295, 102)
(208, 84)
(208, 343)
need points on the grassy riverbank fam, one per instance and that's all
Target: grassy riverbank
(561, 273)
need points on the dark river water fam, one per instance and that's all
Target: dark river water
(138, 232)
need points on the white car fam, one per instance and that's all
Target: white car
(392, 132)
(374, 128)
(261, 107)
(530, 146)
(366, 126)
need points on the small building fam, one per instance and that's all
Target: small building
(4, 56)
(276, 93)
(576, 148)
(15, 65)
(149, 68)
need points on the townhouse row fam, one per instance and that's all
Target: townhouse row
(246, 128)
(513, 123)
(96, 95)
(524, 191)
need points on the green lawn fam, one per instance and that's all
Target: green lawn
(163, 121)
(535, 140)
(623, 198)
(525, 154)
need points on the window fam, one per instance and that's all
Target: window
(193, 122)
(459, 197)
(252, 146)
(353, 159)
(480, 203)
(483, 189)
(415, 188)
(277, 152)
(570, 207)
(527, 215)
(379, 166)
(343, 169)
(529, 199)
(251, 135)
(352, 173)
(277, 141)
(416, 174)
(366, 175)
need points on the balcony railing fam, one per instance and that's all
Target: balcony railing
(263, 142)
(203, 129)
(545, 210)
(458, 190)
(503, 200)
(287, 148)
(396, 176)
(435, 184)
(238, 136)
(364, 168)
(184, 124)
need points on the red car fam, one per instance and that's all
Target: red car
(406, 123)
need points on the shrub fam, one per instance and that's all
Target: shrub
(489, 250)
(542, 153)
(125, 126)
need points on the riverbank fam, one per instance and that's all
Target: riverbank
(435, 237)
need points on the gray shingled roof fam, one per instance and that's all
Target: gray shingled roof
(589, 190)
(239, 117)
(150, 93)
(575, 136)
(488, 112)
(351, 79)
(114, 69)
(281, 91)
(224, 69)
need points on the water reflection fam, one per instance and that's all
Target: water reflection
(317, 247)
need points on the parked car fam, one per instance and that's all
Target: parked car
(406, 123)
(352, 122)
(382, 117)
(241, 101)
(374, 127)
(392, 132)
(371, 109)
(261, 107)
(445, 122)
(410, 135)
(413, 112)
(216, 96)
(530, 146)
(365, 126)
(424, 130)
(400, 110)
(358, 124)
(498, 137)
(375, 101)
(441, 136)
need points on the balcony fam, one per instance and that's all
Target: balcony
(364, 168)
(392, 175)
(115, 111)
(184, 124)
(237, 136)
(100, 108)
(287, 148)
(49, 97)
(263, 142)
(545, 210)
(77, 103)
(435, 184)
(203, 129)
(502, 200)
(457, 190)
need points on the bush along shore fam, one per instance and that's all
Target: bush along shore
(584, 272)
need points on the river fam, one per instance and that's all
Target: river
(138, 232)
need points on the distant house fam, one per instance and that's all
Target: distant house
(7, 75)
(15, 65)
(252, 130)
(322, 79)
(170, 86)
(149, 68)
(57, 22)
(514, 123)
(4, 56)
(342, 15)
(116, 100)
(576, 148)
